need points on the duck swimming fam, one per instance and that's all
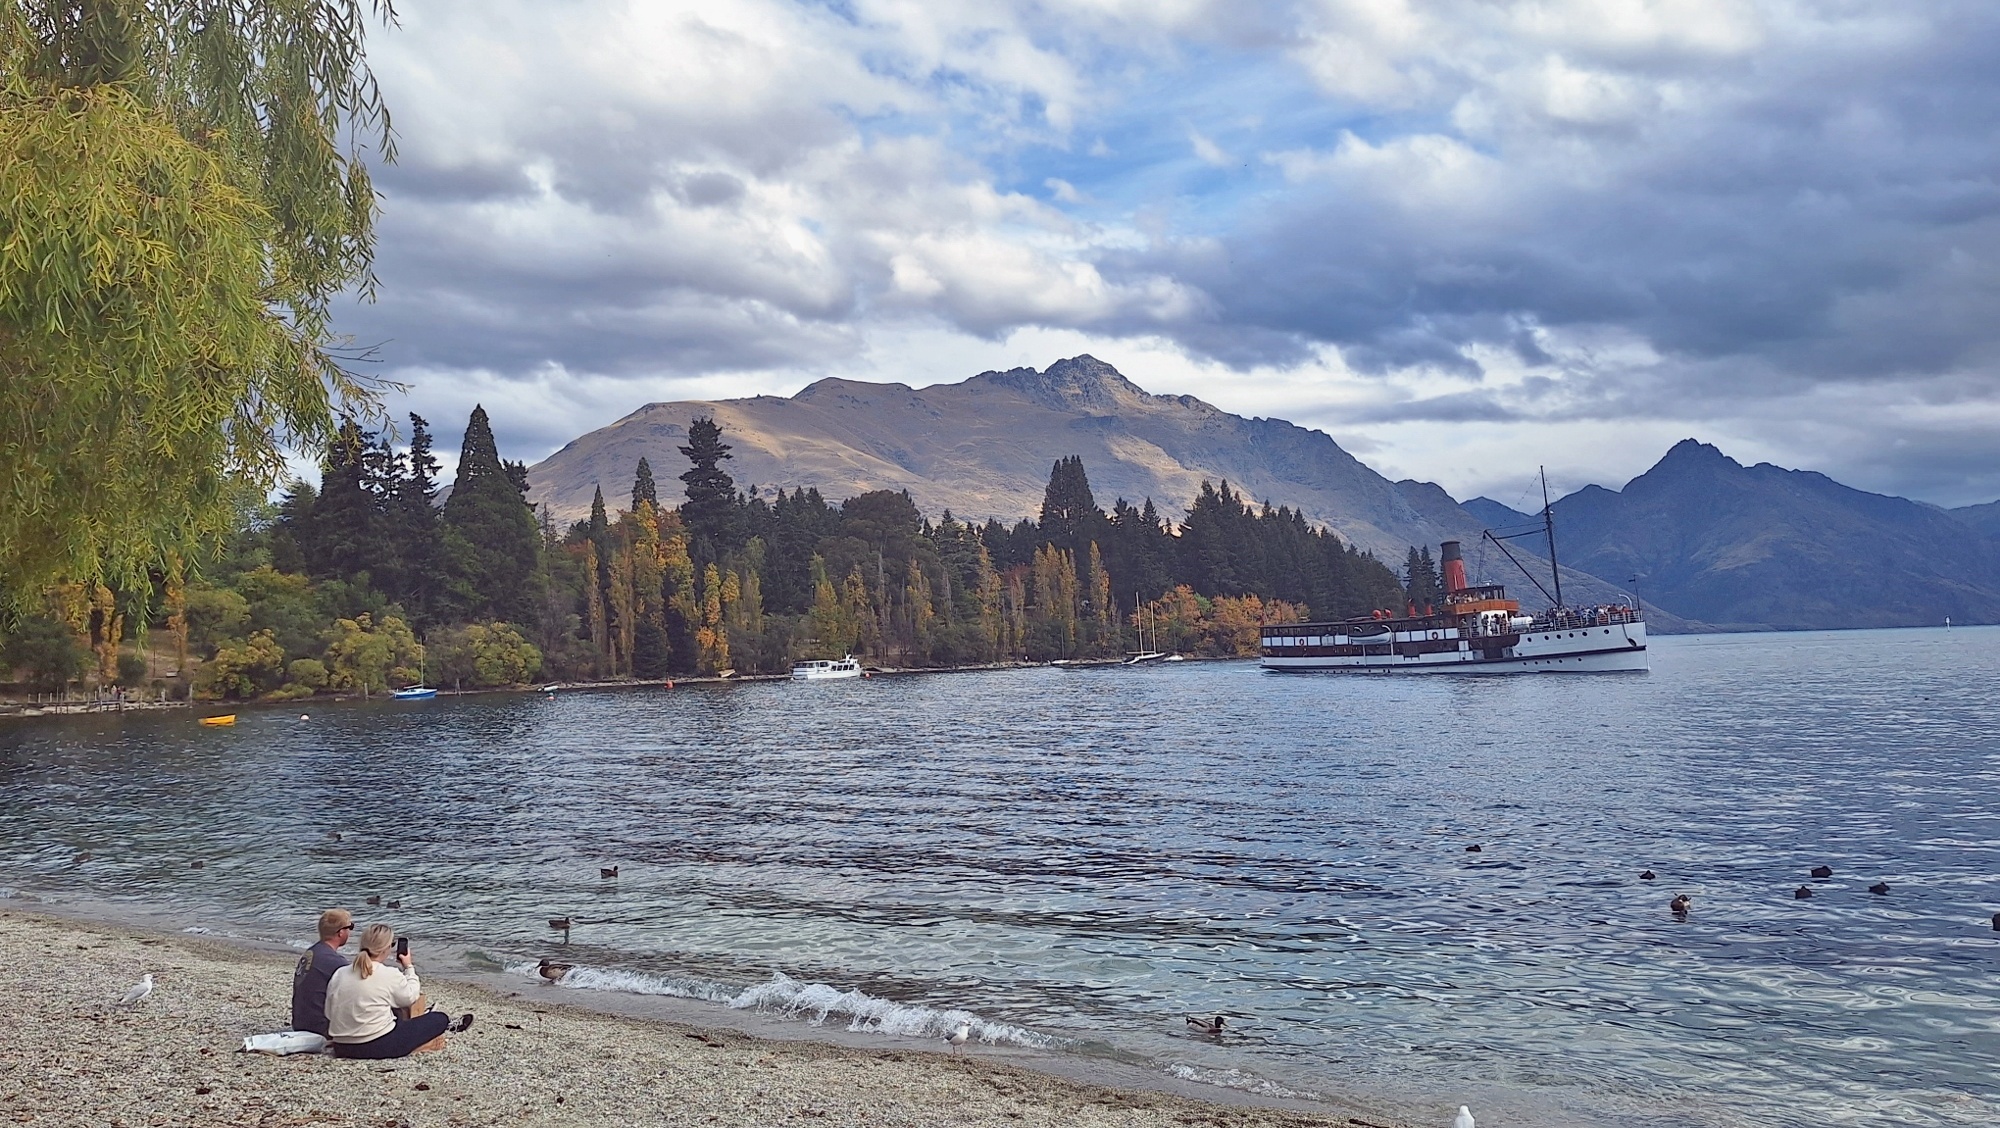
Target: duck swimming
(1210, 1026)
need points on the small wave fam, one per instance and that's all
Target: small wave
(815, 1003)
(1240, 1081)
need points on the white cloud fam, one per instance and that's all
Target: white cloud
(1565, 211)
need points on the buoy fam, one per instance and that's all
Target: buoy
(670, 685)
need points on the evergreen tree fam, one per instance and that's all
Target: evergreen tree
(413, 526)
(1420, 579)
(643, 488)
(492, 529)
(710, 509)
(1070, 517)
(349, 518)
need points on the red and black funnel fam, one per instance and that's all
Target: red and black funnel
(1454, 567)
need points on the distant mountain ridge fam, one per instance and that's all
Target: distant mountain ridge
(1763, 547)
(1716, 544)
(983, 447)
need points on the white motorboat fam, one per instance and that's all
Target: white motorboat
(822, 670)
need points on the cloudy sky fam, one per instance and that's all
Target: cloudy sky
(1462, 236)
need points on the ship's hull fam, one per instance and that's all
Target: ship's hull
(1618, 647)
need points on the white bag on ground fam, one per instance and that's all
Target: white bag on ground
(285, 1042)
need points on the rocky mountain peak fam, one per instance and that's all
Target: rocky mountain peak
(1081, 383)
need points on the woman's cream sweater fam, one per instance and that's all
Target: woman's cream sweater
(362, 1010)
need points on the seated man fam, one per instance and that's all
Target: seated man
(316, 967)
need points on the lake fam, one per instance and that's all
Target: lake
(1078, 859)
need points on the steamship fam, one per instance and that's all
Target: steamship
(1477, 630)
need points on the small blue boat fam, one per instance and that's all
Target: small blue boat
(415, 693)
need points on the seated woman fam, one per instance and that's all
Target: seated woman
(375, 1009)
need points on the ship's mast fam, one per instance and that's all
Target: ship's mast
(1549, 525)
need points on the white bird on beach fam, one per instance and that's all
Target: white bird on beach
(1463, 1119)
(138, 992)
(960, 1036)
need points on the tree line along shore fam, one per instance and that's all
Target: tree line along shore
(365, 583)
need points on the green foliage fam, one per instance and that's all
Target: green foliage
(491, 531)
(370, 658)
(242, 669)
(131, 671)
(307, 673)
(46, 652)
(483, 655)
(286, 605)
(644, 490)
(1420, 579)
(1070, 517)
(215, 616)
(710, 509)
(176, 211)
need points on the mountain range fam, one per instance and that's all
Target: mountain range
(1714, 544)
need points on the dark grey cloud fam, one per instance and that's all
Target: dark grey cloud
(1779, 219)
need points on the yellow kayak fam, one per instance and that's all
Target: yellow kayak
(225, 719)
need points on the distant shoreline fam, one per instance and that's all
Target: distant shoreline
(14, 709)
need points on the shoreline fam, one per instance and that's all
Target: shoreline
(16, 709)
(534, 1055)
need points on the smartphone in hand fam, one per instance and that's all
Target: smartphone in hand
(402, 946)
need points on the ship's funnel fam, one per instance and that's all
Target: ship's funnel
(1454, 567)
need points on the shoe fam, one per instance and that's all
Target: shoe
(464, 1024)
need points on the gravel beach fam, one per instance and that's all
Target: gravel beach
(69, 1055)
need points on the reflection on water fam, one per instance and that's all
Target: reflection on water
(1080, 858)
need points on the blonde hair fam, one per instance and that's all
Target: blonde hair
(376, 940)
(332, 921)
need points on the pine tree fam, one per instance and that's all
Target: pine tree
(710, 509)
(1070, 517)
(413, 526)
(348, 517)
(643, 489)
(492, 528)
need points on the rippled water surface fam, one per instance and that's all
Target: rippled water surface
(1078, 858)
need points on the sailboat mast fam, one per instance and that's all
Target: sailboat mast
(1549, 525)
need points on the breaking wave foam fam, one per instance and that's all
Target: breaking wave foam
(1238, 1080)
(815, 1003)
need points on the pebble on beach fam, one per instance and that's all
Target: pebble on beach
(528, 1063)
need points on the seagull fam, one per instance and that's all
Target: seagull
(1801, 893)
(1681, 904)
(138, 992)
(1647, 876)
(960, 1036)
(1211, 1026)
(1463, 1119)
(1822, 871)
(607, 871)
(552, 971)
(1880, 888)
